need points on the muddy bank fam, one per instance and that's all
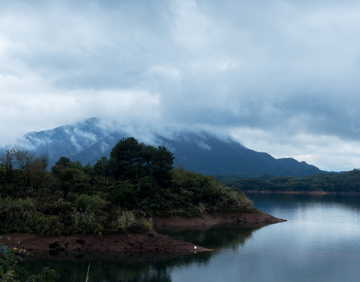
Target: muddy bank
(320, 193)
(151, 242)
(218, 218)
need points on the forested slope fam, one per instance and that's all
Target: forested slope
(330, 182)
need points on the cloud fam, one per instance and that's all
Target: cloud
(283, 68)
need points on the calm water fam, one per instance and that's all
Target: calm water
(320, 242)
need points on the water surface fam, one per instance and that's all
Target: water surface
(319, 242)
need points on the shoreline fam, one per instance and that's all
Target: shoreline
(151, 242)
(318, 193)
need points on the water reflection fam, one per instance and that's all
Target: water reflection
(107, 266)
(115, 266)
(320, 242)
(214, 237)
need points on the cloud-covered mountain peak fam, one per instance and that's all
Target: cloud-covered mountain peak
(200, 151)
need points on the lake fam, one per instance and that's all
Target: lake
(319, 242)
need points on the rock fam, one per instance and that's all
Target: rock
(5, 250)
(53, 253)
(60, 249)
(80, 241)
(54, 245)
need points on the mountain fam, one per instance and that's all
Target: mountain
(201, 152)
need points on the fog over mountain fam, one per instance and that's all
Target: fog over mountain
(280, 76)
(199, 151)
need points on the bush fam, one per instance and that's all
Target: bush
(126, 220)
(86, 223)
(45, 225)
(93, 203)
(123, 194)
(11, 210)
(55, 208)
(10, 268)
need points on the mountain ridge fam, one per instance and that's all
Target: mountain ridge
(201, 152)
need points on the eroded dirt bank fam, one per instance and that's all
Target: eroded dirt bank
(218, 218)
(320, 193)
(150, 242)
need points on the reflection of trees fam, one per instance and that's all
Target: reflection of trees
(123, 267)
(132, 267)
(215, 237)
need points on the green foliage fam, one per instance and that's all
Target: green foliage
(87, 223)
(123, 193)
(10, 269)
(71, 177)
(125, 219)
(45, 225)
(131, 160)
(93, 203)
(331, 182)
(128, 221)
(138, 181)
(55, 207)
(193, 194)
(11, 210)
(21, 170)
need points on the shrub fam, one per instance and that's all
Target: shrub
(45, 225)
(10, 268)
(55, 208)
(93, 203)
(123, 194)
(11, 210)
(126, 220)
(86, 223)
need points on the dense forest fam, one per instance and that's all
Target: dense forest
(330, 182)
(117, 194)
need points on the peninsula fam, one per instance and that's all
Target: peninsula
(113, 205)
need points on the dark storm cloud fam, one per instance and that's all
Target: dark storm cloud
(283, 71)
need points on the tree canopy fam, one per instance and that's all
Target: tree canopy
(131, 160)
(121, 193)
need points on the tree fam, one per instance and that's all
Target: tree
(70, 175)
(102, 167)
(125, 159)
(24, 169)
(131, 160)
(7, 161)
(63, 161)
(32, 169)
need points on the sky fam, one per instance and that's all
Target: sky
(281, 77)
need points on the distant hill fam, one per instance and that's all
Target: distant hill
(330, 182)
(201, 152)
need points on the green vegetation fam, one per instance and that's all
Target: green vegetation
(330, 182)
(11, 269)
(119, 194)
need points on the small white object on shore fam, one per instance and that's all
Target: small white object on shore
(195, 247)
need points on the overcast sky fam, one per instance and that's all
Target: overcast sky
(281, 77)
